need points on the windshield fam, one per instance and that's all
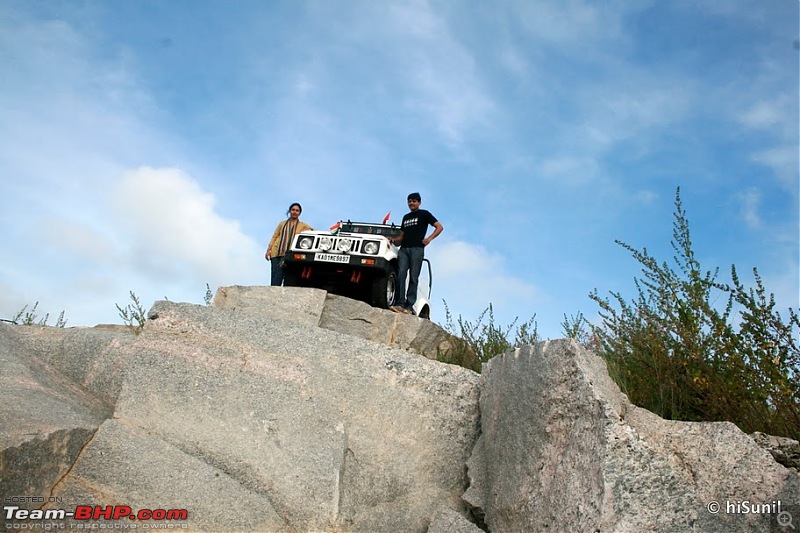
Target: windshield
(372, 229)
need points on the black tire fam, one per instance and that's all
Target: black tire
(383, 290)
(291, 278)
(425, 313)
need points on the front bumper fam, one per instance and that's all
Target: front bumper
(334, 262)
(340, 273)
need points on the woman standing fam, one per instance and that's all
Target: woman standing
(282, 240)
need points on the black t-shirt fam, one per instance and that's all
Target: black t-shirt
(415, 225)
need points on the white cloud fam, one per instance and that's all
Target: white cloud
(645, 197)
(469, 277)
(73, 237)
(446, 86)
(783, 160)
(171, 228)
(571, 23)
(764, 115)
(460, 259)
(72, 121)
(571, 170)
(777, 118)
(751, 201)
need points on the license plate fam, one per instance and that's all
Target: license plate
(333, 258)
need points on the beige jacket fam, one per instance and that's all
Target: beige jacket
(272, 248)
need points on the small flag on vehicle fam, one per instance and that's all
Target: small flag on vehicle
(386, 218)
(336, 226)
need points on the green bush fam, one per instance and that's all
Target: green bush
(209, 296)
(30, 318)
(675, 351)
(575, 327)
(479, 341)
(133, 315)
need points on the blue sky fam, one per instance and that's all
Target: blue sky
(153, 145)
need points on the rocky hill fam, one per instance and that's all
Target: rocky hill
(287, 409)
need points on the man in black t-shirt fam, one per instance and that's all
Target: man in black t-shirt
(412, 251)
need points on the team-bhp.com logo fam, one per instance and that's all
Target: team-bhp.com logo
(96, 512)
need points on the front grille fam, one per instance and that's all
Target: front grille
(354, 248)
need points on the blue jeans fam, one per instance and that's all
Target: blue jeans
(277, 271)
(409, 262)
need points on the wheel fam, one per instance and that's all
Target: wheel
(425, 313)
(382, 290)
(291, 278)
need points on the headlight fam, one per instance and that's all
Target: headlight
(344, 245)
(325, 243)
(305, 243)
(371, 247)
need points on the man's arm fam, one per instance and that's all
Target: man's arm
(437, 229)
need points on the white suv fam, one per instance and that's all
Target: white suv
(357, 260)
